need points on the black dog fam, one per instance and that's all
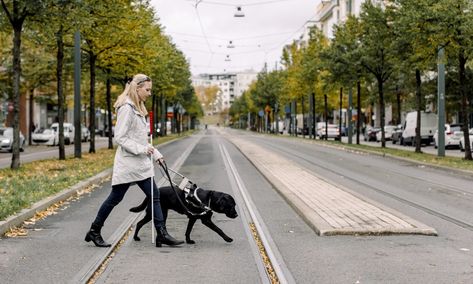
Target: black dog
(210, 201)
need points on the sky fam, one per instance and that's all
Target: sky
(204, 31)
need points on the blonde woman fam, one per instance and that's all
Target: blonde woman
(132, 160)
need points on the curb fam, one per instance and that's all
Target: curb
(25, 214)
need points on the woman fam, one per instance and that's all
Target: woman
(133, 160)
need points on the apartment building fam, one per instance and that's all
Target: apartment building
(231, 86)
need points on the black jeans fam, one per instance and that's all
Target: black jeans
(117, 194)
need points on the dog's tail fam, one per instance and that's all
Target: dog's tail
(140, 207)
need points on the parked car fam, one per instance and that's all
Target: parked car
(396, 134)
(68, 132)
(85, 134)
(451, 140)
(370, 133)
(332, 131)
(388, 131)
(461, 144)
(428, 125)
(6, 139)
(45, 136)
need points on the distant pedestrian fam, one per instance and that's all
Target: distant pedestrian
(133, 160)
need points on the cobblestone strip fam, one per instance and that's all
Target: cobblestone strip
(329, 208)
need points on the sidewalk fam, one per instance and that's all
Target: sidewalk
(328, 208)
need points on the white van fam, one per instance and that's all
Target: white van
(428, 125)
(68, 132)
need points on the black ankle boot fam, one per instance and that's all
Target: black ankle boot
(94, 235)
(163, 237)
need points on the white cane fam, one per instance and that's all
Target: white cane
(152, 186)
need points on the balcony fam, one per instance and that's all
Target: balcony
(324, 10)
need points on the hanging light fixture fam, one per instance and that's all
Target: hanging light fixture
(239, 13)
(230, 44)
(228, 58)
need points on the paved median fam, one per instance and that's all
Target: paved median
(328, 208)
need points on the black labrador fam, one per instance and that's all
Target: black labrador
(210, 201)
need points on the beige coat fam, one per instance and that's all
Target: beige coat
(132, 163)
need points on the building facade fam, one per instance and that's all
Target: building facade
(230, 85)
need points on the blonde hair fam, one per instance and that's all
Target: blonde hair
(131, 93)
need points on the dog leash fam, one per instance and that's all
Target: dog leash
(166, 171)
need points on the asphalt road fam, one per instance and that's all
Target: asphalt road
(40, 152)
(54, 250)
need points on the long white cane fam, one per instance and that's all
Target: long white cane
(152, 182)
(152, 192)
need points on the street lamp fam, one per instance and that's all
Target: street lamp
(239, 13)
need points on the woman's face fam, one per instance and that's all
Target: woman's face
(144, 90)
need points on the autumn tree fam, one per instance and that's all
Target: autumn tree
(17, 12)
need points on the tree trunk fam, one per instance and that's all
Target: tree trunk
(60, 92)
(382, 111)
(358, 112)
(15, 163)
(109, 110)
(418, 107)
(398, 102)
(92, 62)
(464, 103)
(340, 116)
(31, 127)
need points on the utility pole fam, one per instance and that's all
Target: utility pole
(441, 102)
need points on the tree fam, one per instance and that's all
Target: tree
(448, 24)
(17, 12)
(378, 53)
(342, 59)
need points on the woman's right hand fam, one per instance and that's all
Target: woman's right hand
(150, 150)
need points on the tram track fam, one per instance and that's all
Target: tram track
(426, 209)
(269, 258)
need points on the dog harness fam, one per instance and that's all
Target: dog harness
(193, 199)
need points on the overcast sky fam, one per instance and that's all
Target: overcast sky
(203, 33)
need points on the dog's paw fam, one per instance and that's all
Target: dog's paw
(136, 238)
(190, 242)
(228, 240)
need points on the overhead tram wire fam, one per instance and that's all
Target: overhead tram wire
(203, 31)
(292, 35)
(226, 39)
(241, 5)
(266, 51)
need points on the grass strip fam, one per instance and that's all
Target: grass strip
(37, 180)
(425, 158)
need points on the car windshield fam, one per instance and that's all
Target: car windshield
(455, 128)
(6, 132)
(44, 131)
